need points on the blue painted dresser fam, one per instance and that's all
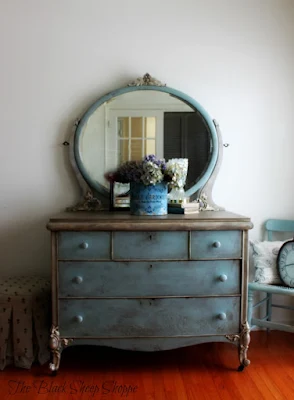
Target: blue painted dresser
(149, 283)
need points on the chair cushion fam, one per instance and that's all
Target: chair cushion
(265, 255)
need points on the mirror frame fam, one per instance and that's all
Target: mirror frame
(96, 196)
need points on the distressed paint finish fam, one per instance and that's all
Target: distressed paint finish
(86, 245)
(150, 245)
(217, 244)
(123, 279)
(125, 303)
(149, 317)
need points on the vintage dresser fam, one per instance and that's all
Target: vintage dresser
(148, 283)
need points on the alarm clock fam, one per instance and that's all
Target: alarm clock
(286, 263)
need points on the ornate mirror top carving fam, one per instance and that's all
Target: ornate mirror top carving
(147, 80)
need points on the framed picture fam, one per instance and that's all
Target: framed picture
(119, 196)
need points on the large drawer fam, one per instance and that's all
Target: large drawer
(149, 317)
(216, 244)
(83, 245)
(150, 245)
(138, 278)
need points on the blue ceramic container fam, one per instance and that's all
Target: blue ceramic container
(148, 200)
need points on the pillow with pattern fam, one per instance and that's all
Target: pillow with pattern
(265, 256)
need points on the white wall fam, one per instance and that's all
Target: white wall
(57, 57)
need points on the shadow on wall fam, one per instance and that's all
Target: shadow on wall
(25, 247)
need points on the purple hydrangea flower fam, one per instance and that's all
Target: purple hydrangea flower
(149, 171)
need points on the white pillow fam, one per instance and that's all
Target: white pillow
(265, 255)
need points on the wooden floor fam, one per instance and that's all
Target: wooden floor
(206, 371)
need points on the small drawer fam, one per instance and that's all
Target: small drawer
(150, 245)
(216, 244)
(111, 318)
(83, 245)
(137, 278)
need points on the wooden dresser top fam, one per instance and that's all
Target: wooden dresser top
(120, 220)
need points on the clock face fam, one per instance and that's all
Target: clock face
(286, 263)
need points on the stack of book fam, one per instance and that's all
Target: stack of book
(183, 208)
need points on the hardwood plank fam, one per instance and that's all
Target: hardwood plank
(204, 372)
(199, 384)
(268, 387)
(179, 386)
(148, 384)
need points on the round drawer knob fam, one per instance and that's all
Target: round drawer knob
(223, 278)
(78, 318)
(78, 279)
(222, 316)
(217, 244)
(84, 245)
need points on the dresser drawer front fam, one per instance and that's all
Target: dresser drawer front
(149, 317)
(83, 245)
(216, 244)
(150, 245)
(127, 279)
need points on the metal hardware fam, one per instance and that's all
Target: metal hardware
(84, 245)
(56, 345)
(77, 122)
(223, 278)
(79, 318)
(147, 80)
(65, 143)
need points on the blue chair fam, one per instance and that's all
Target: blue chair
(271, 225)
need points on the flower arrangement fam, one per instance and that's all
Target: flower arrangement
(149, 171)
(178, 169)
(149, 180)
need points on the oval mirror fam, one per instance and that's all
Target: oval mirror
(143, 118)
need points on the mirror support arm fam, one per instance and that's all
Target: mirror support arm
(205, 193)
(88, 201)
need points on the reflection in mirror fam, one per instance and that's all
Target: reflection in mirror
(136, 137)
(134, 124)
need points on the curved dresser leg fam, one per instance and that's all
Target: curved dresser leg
(56, 346)
(243, 346)
(244, 340)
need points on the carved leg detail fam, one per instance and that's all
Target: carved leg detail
(243, 346)
(56, 346)
(244, 340)
(54, 365)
